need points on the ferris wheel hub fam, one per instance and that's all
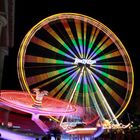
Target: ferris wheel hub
(84, 61)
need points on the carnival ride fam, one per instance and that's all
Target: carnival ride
(84, 67)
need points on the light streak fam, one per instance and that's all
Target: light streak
(72, 94)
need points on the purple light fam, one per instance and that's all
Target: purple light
(14, 136)
(99, 131)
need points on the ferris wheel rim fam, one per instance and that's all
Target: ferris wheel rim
(39, 25)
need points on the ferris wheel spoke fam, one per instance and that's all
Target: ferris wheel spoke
(85, 90)
(85, 39)
(67, 85)
(111, 92)
(77, 92)
(113, 67)
(70, 34)
(58, 38)
(40, 77)
(98, 93)
(79, 35)
(112, 78)
(108, 55)
(61, 85)
(104, 38)
(74, 88)
(37, 59)
(92, 92)
(60, 94)
(73, 92)
(101, 96)
(77, 83)
(94, 34)
(101, 48)
(66, 73)
(48, 46)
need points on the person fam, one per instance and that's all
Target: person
(39, 97)
(47, 137)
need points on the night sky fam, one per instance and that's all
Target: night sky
(121, 18)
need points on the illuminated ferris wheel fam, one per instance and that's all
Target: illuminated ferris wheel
(78, 60)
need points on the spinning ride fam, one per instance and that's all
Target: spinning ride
(78, 60)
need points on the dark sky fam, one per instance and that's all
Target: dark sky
(120, 16)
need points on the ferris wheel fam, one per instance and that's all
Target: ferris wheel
(79, 60)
